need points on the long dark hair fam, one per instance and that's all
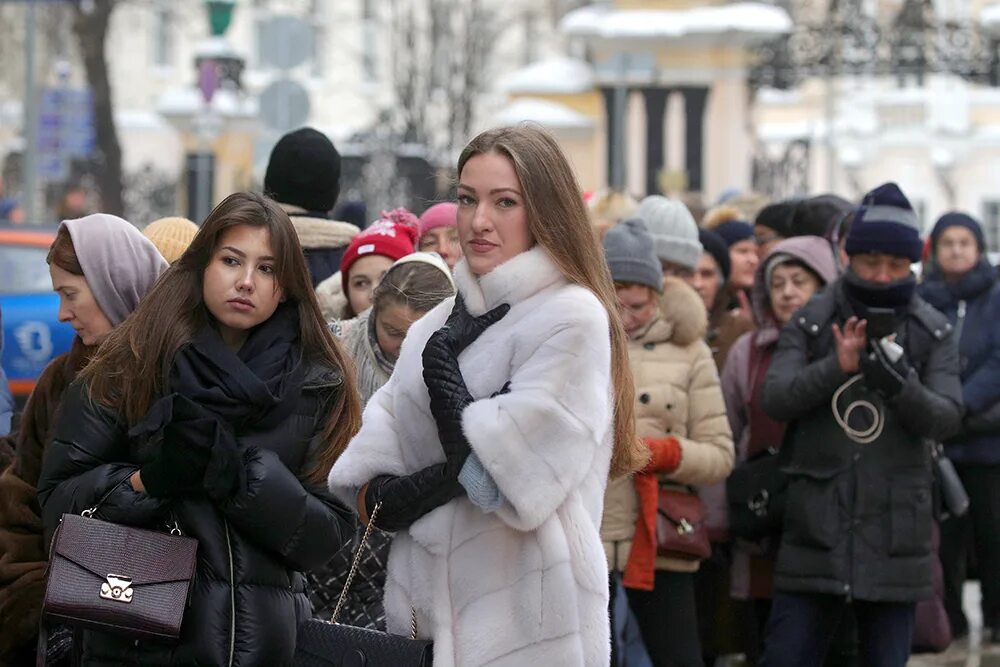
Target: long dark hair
(132, 367)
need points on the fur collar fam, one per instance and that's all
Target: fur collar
(682, 319)
(512, 282)
(316, 233)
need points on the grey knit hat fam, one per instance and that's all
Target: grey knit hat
(628, 248)
(673, 230)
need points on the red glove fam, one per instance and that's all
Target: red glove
(666, 454)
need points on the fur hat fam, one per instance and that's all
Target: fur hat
(171, 236)
(304, 170)
(673, 229)
(885, 223)
(628, 249)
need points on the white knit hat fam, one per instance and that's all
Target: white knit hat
(431, 258)
(673, 230)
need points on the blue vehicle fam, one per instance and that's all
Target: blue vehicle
(32, 334)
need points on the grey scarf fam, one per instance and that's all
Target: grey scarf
(373, 366)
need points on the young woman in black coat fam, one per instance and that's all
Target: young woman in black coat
(222, 402)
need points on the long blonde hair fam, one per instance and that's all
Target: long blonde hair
(558, 221)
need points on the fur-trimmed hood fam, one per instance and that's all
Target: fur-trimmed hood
(683, 311)
(315, 233)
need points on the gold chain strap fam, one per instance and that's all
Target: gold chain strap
(354, 570)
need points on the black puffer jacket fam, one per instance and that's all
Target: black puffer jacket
(859, 516)
(249, 594)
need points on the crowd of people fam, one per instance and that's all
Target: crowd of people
(530, 426)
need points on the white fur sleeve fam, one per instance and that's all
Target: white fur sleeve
(539, 441)
(374, 451)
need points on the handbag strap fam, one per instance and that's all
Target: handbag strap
(354, 570)
(88, 513)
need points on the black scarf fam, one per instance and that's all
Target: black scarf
(942, 294)
(255, 387)
(865, 294)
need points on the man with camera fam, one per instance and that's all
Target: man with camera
(867, 374)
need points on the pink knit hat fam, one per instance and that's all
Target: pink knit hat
(444, 214)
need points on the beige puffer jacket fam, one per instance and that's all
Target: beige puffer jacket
(677, 394)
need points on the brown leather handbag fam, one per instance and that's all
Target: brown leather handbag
(680, 525)
(118, 579)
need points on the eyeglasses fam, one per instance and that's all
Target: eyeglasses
(763, 239)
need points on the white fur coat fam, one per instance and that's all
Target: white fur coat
(526, 585)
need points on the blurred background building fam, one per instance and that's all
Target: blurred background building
(693, 98)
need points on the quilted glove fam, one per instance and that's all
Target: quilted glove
(408, 498)
(443, 377)
(882, 374)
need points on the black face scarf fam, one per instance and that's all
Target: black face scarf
(942, 294)
(258, 386)
(865, 294)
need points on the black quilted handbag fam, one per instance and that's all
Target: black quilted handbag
(757, 492)
(329, 644)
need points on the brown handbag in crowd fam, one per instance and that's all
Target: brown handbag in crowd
(118, 579)
(680, 525)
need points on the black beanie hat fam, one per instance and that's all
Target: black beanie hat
(885, 223)
(304, 171)
(814, 216)
(715, 246)
(779, 216)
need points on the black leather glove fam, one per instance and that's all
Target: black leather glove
(443, 377)
(987, 421)
(178, 470)
(881, 374)
(198, 452)
(408, 498)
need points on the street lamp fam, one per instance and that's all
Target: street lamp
(210, 107)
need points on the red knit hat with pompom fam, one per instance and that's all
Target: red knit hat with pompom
(393, 236)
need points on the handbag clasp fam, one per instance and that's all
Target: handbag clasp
(118, 588)
(758, 504)
(684, 527)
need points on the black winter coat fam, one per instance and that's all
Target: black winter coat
(859, 516)
(248, 595)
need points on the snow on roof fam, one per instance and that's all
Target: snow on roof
(187, 101)
(990, 16)
(749, 18)
(553, 75)
(544, 112)
(215, 47)
(140, 119)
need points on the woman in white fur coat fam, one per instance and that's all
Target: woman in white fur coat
(490, 447)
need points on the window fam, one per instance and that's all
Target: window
(317, 15)
(163, 36)
(991, 224)
(920, 208)
(530, 53)
(259, 26)
(369, 41)
(23, 270)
